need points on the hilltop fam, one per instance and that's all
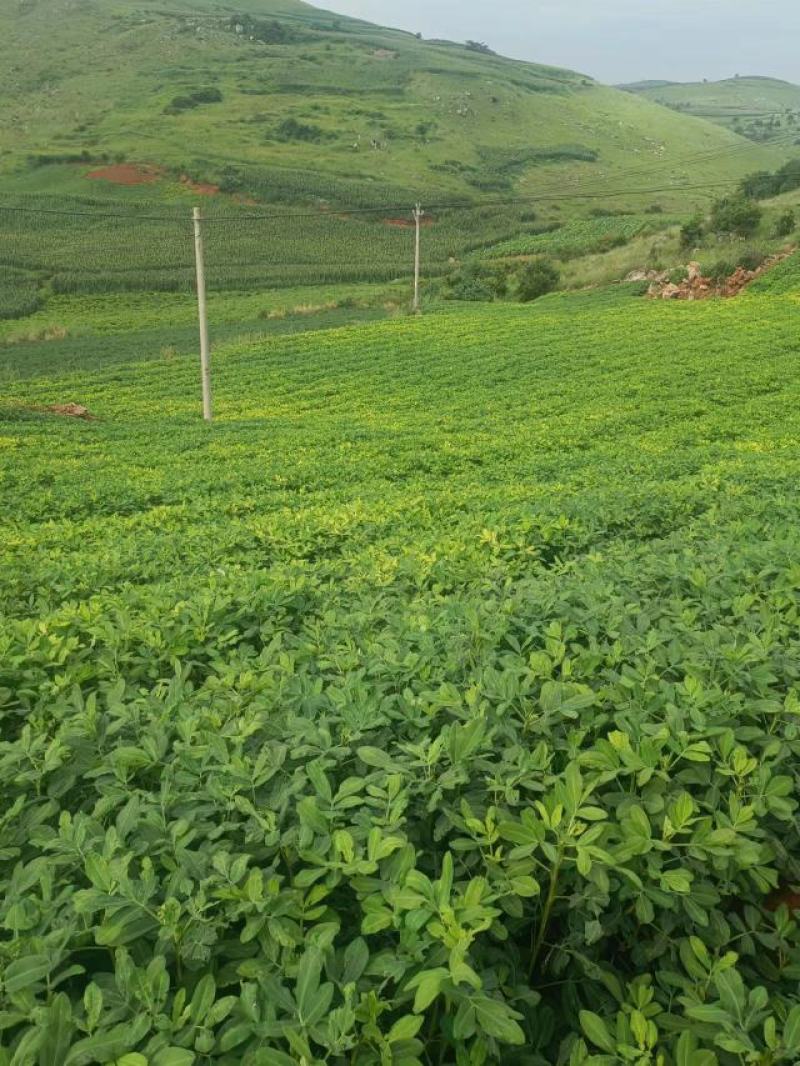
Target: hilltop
(756, 107)
(276, 100)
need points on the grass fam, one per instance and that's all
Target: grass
(418, 583)
(651, 252)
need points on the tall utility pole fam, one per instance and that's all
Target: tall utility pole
(205, 361)
(418, 213)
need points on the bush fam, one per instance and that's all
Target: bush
(786, 224)
(762, 184)
(737, 215)
(678, 275)
(476, 283)
(720, 271)
(272, 32)
(292, 130)
(537, 279)
(479, 46)
(692, 232)
(192, 100)
(751, 259)
(470, 290)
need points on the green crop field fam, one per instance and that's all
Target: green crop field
(577, 238)
(438, 703)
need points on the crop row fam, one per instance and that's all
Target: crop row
(108, 247)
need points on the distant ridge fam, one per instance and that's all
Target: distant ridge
(754, 105)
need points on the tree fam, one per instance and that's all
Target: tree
(786, 224)
(479, 46)
(692, 232)
(738, 215)
(537, 279)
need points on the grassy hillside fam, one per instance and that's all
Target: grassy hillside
(318, 107)
(459, 654)
(127, 113)
(759, 108)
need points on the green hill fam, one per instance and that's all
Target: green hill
(129, 112)
(281, 101)
(761, 109)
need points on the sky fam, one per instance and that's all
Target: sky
(612, 40)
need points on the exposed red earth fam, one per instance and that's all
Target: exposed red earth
(127, 174)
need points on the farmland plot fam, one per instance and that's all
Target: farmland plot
(439, 703)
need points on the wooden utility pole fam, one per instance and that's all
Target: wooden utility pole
(418, 213)
(205, 360)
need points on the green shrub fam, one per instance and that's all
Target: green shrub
(762, 185)
(479, 46)
(476, 283)
(786, 224)
(751, 259)
(692, 232)
(265, 31)
(736, 215)
(720, 270)
(186, 103)
(292, 130)
(537, 279)
(678, 275)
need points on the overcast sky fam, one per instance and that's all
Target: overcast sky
(613, 40)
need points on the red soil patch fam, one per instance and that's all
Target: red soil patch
(127, 174)
(200, 187)
(70, 410)
(408, 223)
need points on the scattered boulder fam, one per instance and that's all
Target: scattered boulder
(648, 275)
(670, 292)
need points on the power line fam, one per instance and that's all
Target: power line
(542, 196)
(786, 140)
(462, 205)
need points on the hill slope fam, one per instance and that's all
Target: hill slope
(258, 94)
(758, 108)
